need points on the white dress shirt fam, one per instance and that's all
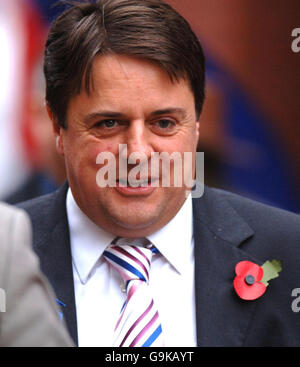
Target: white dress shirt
(98, 287)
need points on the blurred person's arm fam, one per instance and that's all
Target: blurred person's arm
(28, 314)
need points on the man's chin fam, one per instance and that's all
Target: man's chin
(138, 223)
(135, 223)
(135, 216)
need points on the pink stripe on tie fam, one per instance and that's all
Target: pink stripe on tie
(134, 287)
(136, 323)
(146, 328)
(141, 253)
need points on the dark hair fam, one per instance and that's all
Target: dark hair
(149, 29)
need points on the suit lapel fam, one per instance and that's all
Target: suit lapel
(222, 317)
(52, 244)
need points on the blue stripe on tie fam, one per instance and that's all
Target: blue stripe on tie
(123, 306)
(152, 337)
(124, 264)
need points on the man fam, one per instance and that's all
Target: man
(126, 78)
(28, 313)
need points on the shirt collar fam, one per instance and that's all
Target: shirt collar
(175, 240)
(88, 241)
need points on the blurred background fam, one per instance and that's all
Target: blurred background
(250, 126)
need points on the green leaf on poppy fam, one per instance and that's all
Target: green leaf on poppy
(271, 270)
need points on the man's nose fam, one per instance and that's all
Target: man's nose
(138, 141)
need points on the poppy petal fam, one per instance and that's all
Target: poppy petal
(248, 292)
(244, 268)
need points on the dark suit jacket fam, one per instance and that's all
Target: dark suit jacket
(227, 229)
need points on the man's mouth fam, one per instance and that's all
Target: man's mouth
(133, 183)
(134, 187)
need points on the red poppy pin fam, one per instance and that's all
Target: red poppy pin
(251, 280)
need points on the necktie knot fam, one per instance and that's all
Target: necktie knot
(131, 262)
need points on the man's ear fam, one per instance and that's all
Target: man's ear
(57, 130)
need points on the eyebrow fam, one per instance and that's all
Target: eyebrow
(172, 110)
(94, 115)
(112, 114)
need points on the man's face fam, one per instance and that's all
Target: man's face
(132, 102)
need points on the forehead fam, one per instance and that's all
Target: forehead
(120, 82)
(131, 86)
(123, 67)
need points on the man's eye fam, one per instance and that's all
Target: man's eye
(107, 124)
(165, 124)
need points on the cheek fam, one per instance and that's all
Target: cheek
(95, 148)
(182, 143)
(89, 147)
(88, 160)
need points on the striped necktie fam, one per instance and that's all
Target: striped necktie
(138, 324)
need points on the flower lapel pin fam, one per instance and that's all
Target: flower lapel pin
(251, 280)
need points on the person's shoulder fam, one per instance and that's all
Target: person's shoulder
(271, 232)
(249, 207)
(262, 217)
(38, 207)
(10, 214)
(46, 208)
(36, 203)
(15, 230)
(7, 210)
(28, 190)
